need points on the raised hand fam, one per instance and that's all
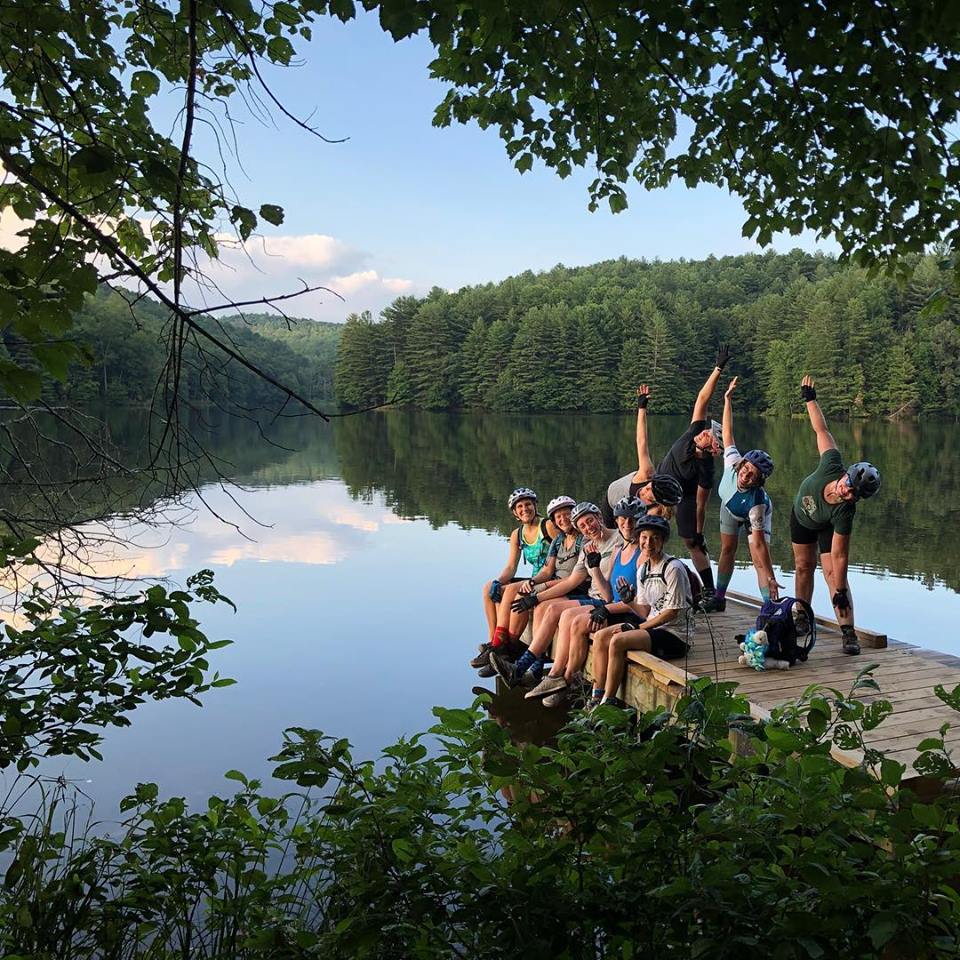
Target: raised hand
(723, 355)
(591, 554)
(643, 395)
(807, 389)
(626, 590)
(731, 386)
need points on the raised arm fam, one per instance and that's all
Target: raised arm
(706, 391)
(728, 414)
(825, 439)
(645, 467)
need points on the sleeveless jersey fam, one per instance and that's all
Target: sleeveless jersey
(566, 559)
(535, 553)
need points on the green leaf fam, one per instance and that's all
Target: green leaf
(881, 929)
(146, 83)
(94, 160)
(272, 213)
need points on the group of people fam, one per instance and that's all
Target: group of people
(601, 574)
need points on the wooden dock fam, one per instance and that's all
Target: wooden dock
(906, 676)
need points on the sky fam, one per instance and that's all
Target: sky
(400, 206)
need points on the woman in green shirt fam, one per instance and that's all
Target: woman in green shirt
(822, 517)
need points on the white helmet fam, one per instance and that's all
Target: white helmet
(557, 502)
(521, 493)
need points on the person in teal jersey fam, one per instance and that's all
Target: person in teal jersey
(744, 507)
(822, 519)
(530, 542)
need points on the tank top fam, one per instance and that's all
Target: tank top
(535, 553)
(566, 559)
(626, 570)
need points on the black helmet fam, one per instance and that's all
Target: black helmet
(629, 507)
(666, 489)
(863, 479)
(761, 460)
(656, 524)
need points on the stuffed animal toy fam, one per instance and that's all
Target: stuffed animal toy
(754, 654)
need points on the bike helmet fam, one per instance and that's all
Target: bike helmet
(629, 507)
(864, 479)
(557, 503)
(761, 460)
(584, 507)
(521, 493)
(666, 489)
(656, 524)
(716, 431)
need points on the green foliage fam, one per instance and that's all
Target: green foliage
(610, 841)
(582, 339)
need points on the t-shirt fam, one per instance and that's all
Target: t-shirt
(620, 488)
(683, 463)
(750, 506)
(666, 586)
(566, 558)
(611, 543)
(812, 510)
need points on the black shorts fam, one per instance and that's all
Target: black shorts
(801, 534)
(666, 645)
(686, 514)
(630, 621)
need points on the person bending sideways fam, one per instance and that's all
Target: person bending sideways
(690, 461)
(570, 651)
(531, 542)
(557, 614)
(521, 596)
(744, 507)
(662, 605)
(822, 519)
(651, 487)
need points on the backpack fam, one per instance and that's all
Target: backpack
(696, 587)
(790, 627)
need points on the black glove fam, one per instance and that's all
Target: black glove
(808, 393)
(723, 355)
(495, 593)
(592, 558)
(698, 540)
(598, 618)
(626, 590)
(642, 399)
(841, 599)
(525, 602)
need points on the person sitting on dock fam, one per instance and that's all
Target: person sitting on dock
(663, 606)
(651, 487)
(561, 613)
(522, 596)
(570, 649)
(531, 542)
(744, 506)
(690, 461)
(822, 517)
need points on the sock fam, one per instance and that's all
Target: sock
(706, 577)
(500, 636)
(723, 581)
(514, 637)
(764, 594)
(526, 661)
(597, 693)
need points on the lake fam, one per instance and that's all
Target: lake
(357, 573)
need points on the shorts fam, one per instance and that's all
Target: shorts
(666, 645)
(590, 601)
(804, 535)
(734, 526)
(686, 514)
(630, 621)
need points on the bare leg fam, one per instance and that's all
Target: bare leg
(489, 610)
(547, 623)
(510, 593)
(577, 650)
(728, 554)
(561, 647)
(805, 561)
(844, 617)
(619, 645)
(601, 651)
(699, 556)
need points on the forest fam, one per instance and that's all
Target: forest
(122, 347)
(583, 338)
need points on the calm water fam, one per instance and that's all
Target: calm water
(358, 589)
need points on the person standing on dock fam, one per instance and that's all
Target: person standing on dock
(651, 487)
(744, 506)
(822, 517)
(690, 461)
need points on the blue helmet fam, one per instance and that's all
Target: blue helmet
(864, 479)
(761, 460)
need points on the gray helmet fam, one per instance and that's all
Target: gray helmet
(666, 489)
(655, 524)
(629, 507)
(521, 493)
(557, 503)
(582, 508)
(864, 479)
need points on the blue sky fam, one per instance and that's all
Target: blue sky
(402, 206)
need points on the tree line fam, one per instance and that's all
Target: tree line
(582, 338)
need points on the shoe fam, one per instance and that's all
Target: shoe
(593, 703)
(486, 671)
(557, 699)
(530, 678)
(504, 667)
(711, 603)
(483, 657)
(547, 685)
(851, 644)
